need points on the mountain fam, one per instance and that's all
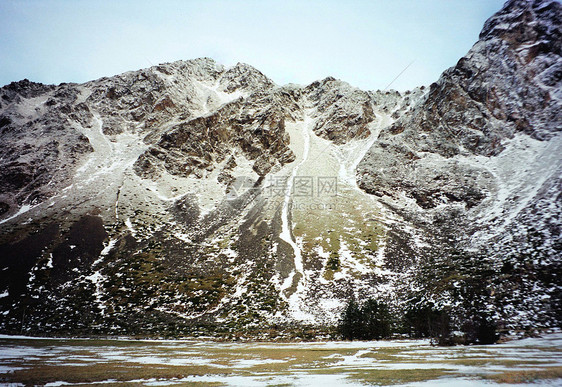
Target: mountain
(477, 166)
(194, 199)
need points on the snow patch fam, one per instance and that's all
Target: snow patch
(286, 230)
(129, 225)
(23, 209)
(108, 247)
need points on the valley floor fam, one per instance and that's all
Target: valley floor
(57, 362)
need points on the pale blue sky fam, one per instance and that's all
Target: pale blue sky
(366, 43)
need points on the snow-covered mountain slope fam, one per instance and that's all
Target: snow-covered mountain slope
(477, 162)
(191, 198)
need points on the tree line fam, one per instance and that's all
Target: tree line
(373, 320)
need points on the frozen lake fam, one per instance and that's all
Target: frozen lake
(57, 362)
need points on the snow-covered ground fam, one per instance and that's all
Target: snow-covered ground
(520, 172)
(297, 364)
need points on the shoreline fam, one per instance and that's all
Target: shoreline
(517, 336)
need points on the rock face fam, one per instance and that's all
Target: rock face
(190, 198)
(42, 146)
(255, 126)
(481, 152)
(344, 113)
(505, 86)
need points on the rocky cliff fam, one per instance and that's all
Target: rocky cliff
(476, 163)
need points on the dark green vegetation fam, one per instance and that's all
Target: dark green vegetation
(372, 320)
(369, 321)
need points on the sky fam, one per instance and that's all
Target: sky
(365, 43)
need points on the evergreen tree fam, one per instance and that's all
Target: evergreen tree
(424, 320)
(370, 321)
(376, 320)
(350, 325)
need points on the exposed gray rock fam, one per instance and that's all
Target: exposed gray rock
(343, 112)
(41, 145)
(494, 92)
(474, 162)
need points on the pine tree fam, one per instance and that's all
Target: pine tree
(370, 321)
(376, 320)
(350, 325)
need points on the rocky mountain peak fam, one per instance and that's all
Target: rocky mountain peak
(22, 89)
(343, 112)
(203, 69)
(190, 198)
(525, 21)
(247, 77)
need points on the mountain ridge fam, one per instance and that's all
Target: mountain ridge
(189, 198)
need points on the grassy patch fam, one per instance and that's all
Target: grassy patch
(390, 377)
(526, 376)
(38, 374)
(351, 223)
